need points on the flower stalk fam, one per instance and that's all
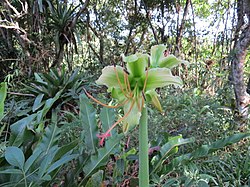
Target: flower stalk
(133, 85)
(143, 149)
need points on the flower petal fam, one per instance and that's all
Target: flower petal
(157, 52)
(152, 97)
(109, 77)
(134, 116)
(116, 93)
(160, 77)
(171, 61)
(136, 64)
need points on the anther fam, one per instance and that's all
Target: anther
(85, 91)
(148, 62)
(126, 71)
(144, 97)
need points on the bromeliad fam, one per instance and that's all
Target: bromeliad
(135, 82)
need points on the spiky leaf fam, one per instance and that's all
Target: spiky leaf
(167, 149)
(102, 156)
(107, 117)
(3, 93)
(89, 125)
(205, 150)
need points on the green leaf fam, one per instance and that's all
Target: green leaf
(47, 160)
(166, 151)
(107, 116)
(89, 124)
(47, 106)
(49, 139)
(40, 5)
(20, 125)
(96, 161)
(65, 149)
(3, 93)
(31, 160)
(205, 150)
(61, 161)
(39, 79)
(25, 135)
(73, 78)
(38, 102)
(2, 128)
(11, 171)
(95, 180)
(50, 79)
(15, 156)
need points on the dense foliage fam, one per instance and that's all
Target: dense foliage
(51, 124)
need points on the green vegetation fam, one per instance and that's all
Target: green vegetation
(176, 93)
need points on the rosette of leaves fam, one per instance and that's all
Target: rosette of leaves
(48, 85)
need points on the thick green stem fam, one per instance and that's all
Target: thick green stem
(143, 150)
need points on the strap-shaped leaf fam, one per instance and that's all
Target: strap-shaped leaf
(101, 158)
(39, 79)
(167, 148)
(3, 93)
(38, 102)
(50, 138)
(31, 160)
(61, 161)
(48, 145)
(107, 117)
(11, 171)
(47, 106)
(65, 149)
(89, 125)
(20, 125)
(205, 150)
(96, 179)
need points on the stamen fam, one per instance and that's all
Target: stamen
(144, 97)
(138, 105)
(126, 71)
(99, 102)
(142, 104)
(143, 100)
(125, 81)
(116, 123)
(128, 85)
(146, 79)
(102, 136)
(119, 82)
(148, 62)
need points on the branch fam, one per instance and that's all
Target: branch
(21, 94)
(83, 8)
(18, 14)
(13, 8)
(12, 27)
(150, 24)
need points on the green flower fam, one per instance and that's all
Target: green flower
(135, 83)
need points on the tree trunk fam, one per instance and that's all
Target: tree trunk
(181, 28)
(238, 59)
